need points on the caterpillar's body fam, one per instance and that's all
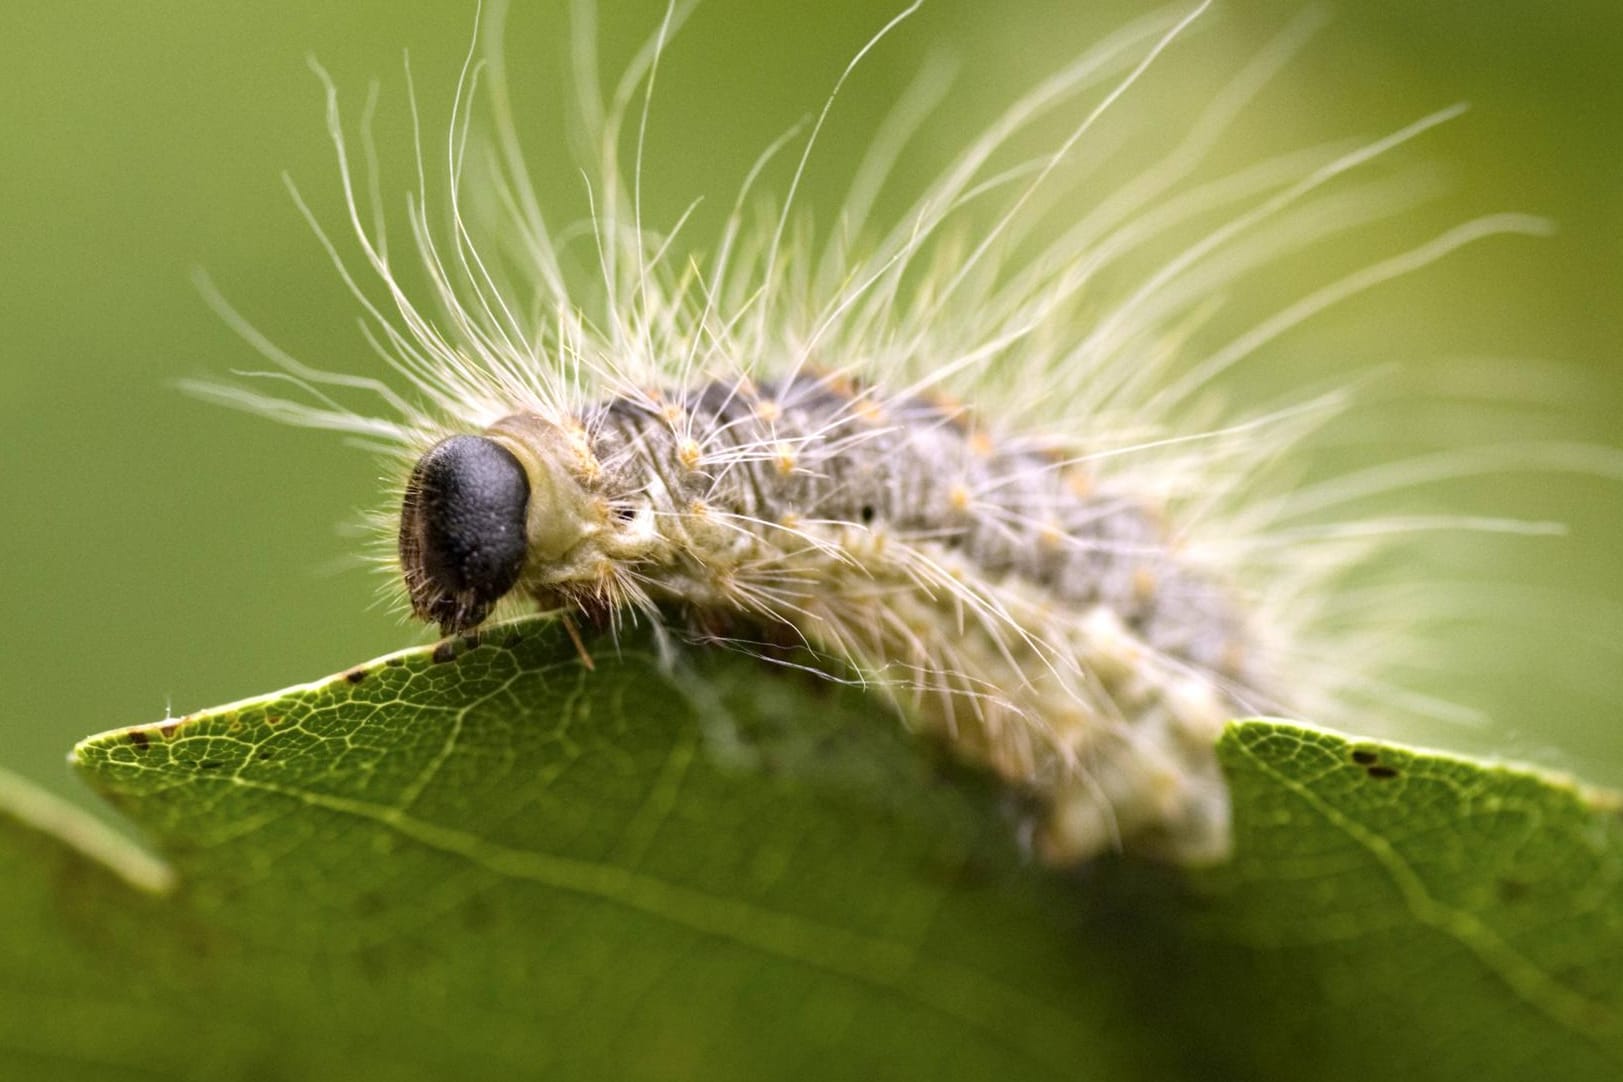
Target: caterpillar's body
(1038, 623)
(1071, 582)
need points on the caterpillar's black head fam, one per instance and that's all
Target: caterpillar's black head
(462, 542)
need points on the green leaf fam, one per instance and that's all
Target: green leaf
(498, 863)
(1446, 917)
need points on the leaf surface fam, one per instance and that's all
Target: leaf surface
(493, 862)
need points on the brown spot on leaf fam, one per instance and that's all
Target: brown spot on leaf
(477, 915)
(355, 676)
(1365, 757)
(1381, 773)
(139, 739)
(1513, 890)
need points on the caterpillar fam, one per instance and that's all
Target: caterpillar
(887, 531)
(929, 455)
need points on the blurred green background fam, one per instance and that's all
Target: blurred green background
(159, 553)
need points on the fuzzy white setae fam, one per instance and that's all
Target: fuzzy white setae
(939, 455)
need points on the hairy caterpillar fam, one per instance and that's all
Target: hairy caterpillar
(1072, 580)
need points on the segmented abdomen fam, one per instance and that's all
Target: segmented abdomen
(1040, 623)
